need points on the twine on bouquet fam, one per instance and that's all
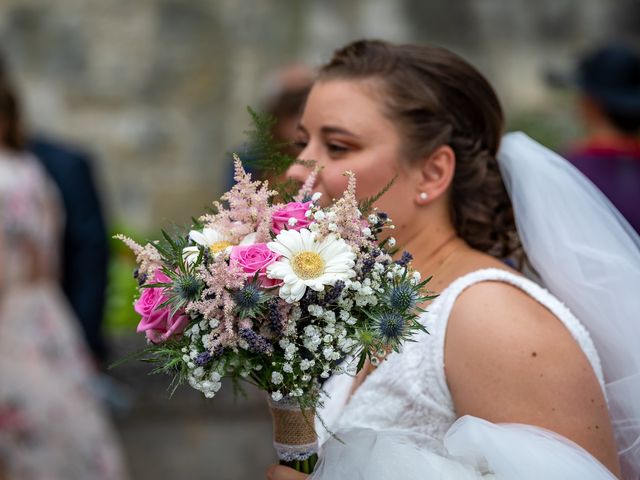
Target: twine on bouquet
(294, 433)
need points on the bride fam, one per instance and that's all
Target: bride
(508, 383)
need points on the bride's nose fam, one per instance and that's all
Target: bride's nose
(298, 171)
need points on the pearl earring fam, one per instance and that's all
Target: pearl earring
(424, 195)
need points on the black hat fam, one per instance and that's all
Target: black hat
(611, 75)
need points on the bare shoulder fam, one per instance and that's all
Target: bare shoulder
(492, 312)
(509, 359)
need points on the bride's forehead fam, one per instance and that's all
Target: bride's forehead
(361, 89)
(337, 99)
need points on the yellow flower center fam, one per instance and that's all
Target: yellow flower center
(307, 265)
(219, 246)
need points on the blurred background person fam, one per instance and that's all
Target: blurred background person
(609, 106)
(85, 249)
(51, 425)
(84, 252)
(284, 97)
(284, 93)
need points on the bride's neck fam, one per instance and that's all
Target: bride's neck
(440, 253)
(432, 247)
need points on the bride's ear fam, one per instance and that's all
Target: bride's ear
(436, 174)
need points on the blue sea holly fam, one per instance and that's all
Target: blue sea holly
(249, 300)
(403, 297)
(391, 326)
(187, 287)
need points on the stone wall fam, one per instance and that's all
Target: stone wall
(157, 89)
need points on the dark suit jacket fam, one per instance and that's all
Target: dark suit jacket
(85, 245)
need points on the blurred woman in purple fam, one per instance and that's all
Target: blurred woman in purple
(609, 81)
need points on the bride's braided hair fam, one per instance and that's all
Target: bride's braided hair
(437, 98)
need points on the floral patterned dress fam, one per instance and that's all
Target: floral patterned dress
(51, 425)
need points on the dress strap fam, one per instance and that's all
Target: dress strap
(535, 291)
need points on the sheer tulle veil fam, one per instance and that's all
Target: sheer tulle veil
(588, 256)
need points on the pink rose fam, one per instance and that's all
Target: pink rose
(254, 259)
(158, 323)
(296, 210)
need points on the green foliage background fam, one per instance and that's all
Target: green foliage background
(121, 290)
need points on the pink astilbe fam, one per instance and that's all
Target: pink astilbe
(148, 258)
(263, 229)
(307, 186)
(348, 218)
(216, 302)
(248, 209)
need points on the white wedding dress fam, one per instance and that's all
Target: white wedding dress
(401, 424)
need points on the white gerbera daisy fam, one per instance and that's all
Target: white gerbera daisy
(307, 262)
(213, 240)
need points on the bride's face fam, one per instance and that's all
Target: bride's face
(343, 128)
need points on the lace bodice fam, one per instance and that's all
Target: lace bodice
(409, 390)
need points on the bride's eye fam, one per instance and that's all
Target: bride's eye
(337, 148)
(299, 145)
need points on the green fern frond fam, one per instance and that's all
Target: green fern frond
(264, 153)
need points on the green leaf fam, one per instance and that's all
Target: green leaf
(168, 238)
(164, 252)
(156, 285)
(363, 358)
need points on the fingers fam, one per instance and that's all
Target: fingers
(279, 472)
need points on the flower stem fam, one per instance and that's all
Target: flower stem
(303, 466)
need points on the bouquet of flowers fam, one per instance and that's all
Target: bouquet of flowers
(281, 295)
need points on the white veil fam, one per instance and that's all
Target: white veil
(588, 256)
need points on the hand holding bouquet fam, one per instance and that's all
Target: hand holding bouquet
(281, 295)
